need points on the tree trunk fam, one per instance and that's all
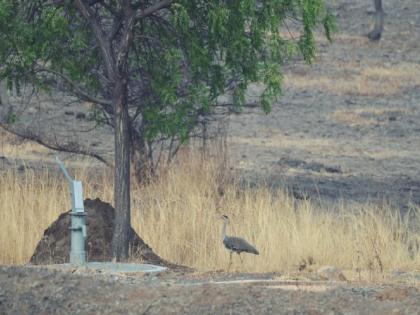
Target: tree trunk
(376, 33)
(142, 166)
(122, 224)
(4, 100)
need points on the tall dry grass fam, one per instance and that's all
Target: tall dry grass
(178, 215)
(31, 200)
(180, 220)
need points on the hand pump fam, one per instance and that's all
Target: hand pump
(78, 219)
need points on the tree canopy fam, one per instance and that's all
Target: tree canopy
(154, 68)
(182, 56)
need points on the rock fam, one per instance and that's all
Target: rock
(394, 294)
(310, 166)
(81, 115)
(333, 169)
(331, 273)
(305, 263)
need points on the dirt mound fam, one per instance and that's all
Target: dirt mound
(54, 247)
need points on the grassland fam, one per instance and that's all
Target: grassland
(354, 83)
(178, 215)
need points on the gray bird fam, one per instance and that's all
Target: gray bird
(236, 244)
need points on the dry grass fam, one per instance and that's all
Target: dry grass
(13, 147)
(374, 81)
(365, 117)
(178, 215)
(184, 206)
(30, 201)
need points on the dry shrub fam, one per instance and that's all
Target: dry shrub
(178, 215)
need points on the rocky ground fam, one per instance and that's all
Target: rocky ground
(348, 126)
(28, 291)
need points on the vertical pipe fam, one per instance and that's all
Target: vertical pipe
(78, 219)
(78, 225)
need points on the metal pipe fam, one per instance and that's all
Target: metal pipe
(78, 219)
(63, 168)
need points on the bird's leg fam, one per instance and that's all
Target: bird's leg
(240, 258)
(230, 260)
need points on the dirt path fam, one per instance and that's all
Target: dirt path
(33, 291)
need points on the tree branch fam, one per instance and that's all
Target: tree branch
(100, 35)
(77, 89)
(127, 36)
(56, 147)
(154, 8)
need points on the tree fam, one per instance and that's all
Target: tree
(376, 32)
(154, 68)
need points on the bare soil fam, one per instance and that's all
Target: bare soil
(26, 290)
(347, 127)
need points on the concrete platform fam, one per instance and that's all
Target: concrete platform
(109, 267)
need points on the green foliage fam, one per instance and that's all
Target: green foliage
(178, 65)
(329, 25)
(11, 116)
(52, 39)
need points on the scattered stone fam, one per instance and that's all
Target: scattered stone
(80, 115)
(333, 169)
(331, 273)
(394, 294)
(309, 261)
(310, 166)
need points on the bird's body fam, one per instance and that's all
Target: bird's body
(239, 245)
(236, 244)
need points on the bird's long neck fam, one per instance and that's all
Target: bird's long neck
(224, 229)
